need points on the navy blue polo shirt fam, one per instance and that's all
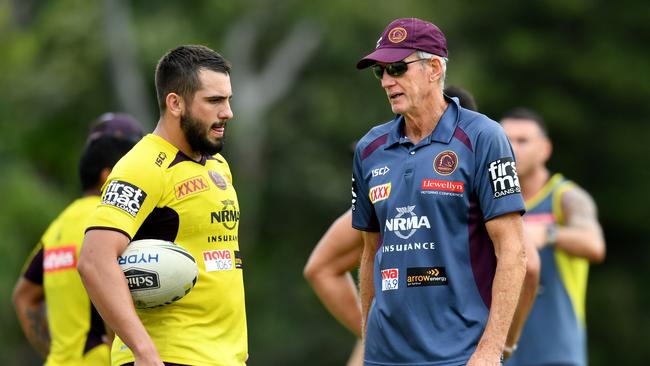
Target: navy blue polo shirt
(435, 263)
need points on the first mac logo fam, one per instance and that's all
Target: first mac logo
(125, 196)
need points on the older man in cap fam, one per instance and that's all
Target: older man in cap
(437, 199)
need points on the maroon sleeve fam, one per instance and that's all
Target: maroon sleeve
(34, 270)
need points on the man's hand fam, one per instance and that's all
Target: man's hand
(536, 234)
(484, 359)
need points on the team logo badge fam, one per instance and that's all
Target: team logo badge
(445, 163)
(217, 179)
(397, 35)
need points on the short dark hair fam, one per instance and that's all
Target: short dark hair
(178, 71)
(465, 98)
(98, 154)
(527, 114)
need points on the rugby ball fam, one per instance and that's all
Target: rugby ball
(158, 272)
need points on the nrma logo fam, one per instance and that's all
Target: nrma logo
(406, 222)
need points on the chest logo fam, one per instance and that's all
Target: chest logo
(191, 186)
(218, 180)
(380, 192)
(389, 279)
(228, 216)
(406, 222)
(445, 163)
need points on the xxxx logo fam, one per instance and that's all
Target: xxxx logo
(190, 186)
(380, 192)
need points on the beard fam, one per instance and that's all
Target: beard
(197, 135)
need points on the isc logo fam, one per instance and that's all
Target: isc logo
(379, 193)
(380, 171)
(217, 260)
(389, 279)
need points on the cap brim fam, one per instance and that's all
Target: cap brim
(384, 55)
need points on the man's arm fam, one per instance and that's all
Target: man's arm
(582, 235)
(506, 233)
(366, 280)
(526, 297)
(108, 290)
(29, 302)
(328, 272)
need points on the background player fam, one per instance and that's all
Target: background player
(561, 221)
(49, 294)
(208, 326)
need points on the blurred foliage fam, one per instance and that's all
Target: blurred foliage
(582, 64)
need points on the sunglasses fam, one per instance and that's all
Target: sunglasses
(395, 69)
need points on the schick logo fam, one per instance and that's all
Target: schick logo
(405, 227)
(140, 279)
(503, 175)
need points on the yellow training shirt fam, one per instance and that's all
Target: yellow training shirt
(157, 192)
(75, 326)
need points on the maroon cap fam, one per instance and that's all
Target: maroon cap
(119, 125)
(404, 36)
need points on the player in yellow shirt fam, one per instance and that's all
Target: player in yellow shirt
(50, 279)
(174, 185)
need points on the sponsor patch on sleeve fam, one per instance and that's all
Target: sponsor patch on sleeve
(58, 259)
(379, 193)
(503, 177)
(389, 279)
(125, 196)
(426, 276)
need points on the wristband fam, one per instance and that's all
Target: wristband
(510, 350)
(551, 234)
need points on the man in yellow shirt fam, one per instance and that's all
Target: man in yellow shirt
(174, 185)
(76, 335)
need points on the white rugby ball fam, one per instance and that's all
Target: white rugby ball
(158, 272)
